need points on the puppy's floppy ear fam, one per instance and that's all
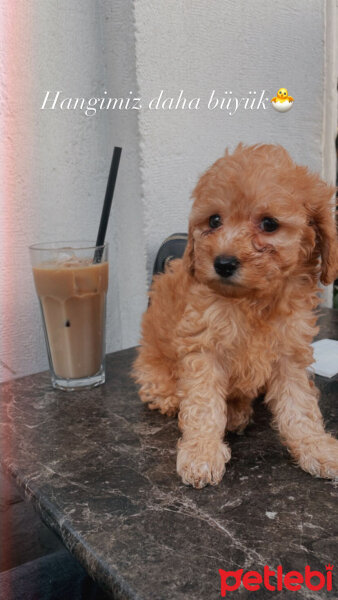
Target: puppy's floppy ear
(320, 209)
(188, 256)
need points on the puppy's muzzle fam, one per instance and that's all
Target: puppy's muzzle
(226, 266)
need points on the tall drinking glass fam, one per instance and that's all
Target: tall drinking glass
(71, 280)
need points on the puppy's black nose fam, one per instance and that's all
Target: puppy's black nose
(226, 266)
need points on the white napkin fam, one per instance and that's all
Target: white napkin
(326, 357)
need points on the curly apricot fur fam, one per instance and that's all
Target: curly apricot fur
(210, 345)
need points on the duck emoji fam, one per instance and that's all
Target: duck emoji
(283, 102)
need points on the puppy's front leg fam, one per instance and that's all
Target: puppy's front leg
(201, 453)
(293, 400)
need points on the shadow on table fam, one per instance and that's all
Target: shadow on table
(34, 565)
(56, 576)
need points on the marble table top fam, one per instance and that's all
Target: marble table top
(99, 467)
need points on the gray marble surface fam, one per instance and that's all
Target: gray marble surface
(100, 469)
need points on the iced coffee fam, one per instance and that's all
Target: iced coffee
(72, 286)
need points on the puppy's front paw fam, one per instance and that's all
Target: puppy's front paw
(201, 463)
(319, 456)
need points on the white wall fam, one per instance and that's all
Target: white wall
(232, 45)
(54, 164)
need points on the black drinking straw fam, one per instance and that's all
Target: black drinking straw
(114, 167)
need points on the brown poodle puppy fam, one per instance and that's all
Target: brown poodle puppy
(235, 316)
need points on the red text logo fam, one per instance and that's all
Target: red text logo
(292, 580)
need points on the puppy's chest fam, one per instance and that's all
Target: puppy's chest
(248, 351)
(250, 359)
(246, 347)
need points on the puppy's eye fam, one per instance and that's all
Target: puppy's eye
(215, 221)
(268, 224)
